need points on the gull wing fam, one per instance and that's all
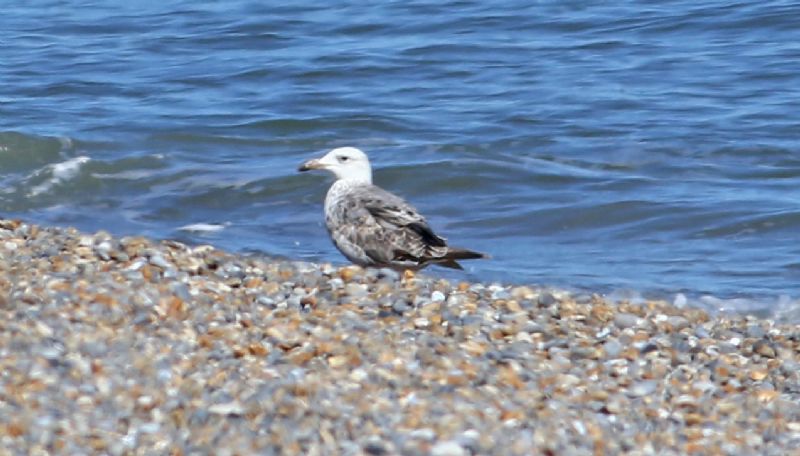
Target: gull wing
(391, 231)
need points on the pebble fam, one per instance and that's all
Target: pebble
(678, 322)
(231, 408)
(401, 306)
(756, 331)
(158, 260)
(643, 388)
(546, 299)
(131, 346)
(356, 290)
(612, 347)
(449, 448)
(421, 323)
(626, 320)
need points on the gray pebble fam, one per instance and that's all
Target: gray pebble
(158, 260)
(755, 331)
(401, 306)
(678, 322)
(643, 388)
(356, 290)
(501, 294)
(702, 332)
(612, 348)
(448, 448)
(626, 320)
(546, 299)
(533, 327)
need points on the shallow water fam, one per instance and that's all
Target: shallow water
(649, 147)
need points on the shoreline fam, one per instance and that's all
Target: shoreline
(126, 344)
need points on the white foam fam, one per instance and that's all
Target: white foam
(66, 143)
(59, 172)
(732, 305)
(132, 174)
(204, 227)
(787, 309)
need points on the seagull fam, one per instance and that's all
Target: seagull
(375, 228)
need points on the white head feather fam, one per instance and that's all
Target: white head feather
(346, 163)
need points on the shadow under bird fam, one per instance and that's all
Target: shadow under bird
(373, 227)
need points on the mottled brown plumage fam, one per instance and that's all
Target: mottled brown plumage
(373, 227)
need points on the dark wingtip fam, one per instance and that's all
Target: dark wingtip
(452, 264)
(464, 254)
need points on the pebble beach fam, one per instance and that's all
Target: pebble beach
(133, 346)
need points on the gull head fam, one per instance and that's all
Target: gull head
(346, 163)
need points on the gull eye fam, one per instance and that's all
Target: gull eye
(343, 158)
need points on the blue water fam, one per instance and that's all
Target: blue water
(648, 146)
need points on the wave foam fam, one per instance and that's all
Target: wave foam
(59, 172)
(204, 227)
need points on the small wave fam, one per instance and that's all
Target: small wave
(133, 174)
(59, 172)
(782, 308)
(204, 227)
(21, 152)
(787, 309)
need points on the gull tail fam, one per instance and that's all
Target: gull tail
(455, 253)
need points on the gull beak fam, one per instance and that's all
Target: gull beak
(311, 164)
